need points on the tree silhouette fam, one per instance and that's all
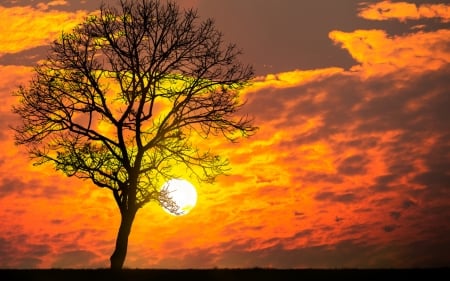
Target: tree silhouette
(126, 98)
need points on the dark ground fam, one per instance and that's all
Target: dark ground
(256, 274)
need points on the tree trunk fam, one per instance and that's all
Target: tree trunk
(118, 257)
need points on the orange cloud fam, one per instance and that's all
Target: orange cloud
(322, 176)
(53, 3)
(26, 27)
(380, 54)
(291, 78)
(403, 11)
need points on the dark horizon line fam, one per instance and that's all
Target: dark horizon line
(231, 268)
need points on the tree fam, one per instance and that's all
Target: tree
(123, 99)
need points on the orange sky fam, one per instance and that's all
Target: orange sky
(350, 166)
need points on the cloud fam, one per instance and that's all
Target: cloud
(12, 77)
(379, 54)
(403, 11)
(407, 204)
(347, 197)
(344, 254)
(74, 259)
(291, 79)
(389, 228)
(53, 3)
(27, 27)
(352, 165)
(348, 169)
(395, 215)
(17, 251)
(55, 236)
(374, 137)
(29, 57)
(10, 186)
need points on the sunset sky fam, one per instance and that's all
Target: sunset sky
(350, 166)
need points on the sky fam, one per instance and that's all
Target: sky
(350, 167)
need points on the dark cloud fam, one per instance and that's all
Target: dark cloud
(29, 57)
(197, 258)
(383, 183)
(338, 219)
(14, 186)
(57, 221)
(395, 215)
(317, 177)
(353, 165)
(356, 229)
(70, 239)
(331, 196)
(7, 252)
(350, 253)
(388, 109)
(345, 198)
(422, 136)
(385, 112)
(344, 254)
(264, 107)
(389, 228)
(364, 142)
(10, 186)
(363, 210)
(16, 250)
(74, 259)
(406, 204)
(436, 179)
(303, 233)
(39, 250)
(401, 168)
(381, 202)
(324, 195)
(26, 263)
(299, 215)
(69, 6)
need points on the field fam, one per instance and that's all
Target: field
(256, 274)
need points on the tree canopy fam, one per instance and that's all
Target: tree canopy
(126, 98)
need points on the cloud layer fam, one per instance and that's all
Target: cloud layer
(29, 27)
(350, 167)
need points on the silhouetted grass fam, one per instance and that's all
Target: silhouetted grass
(255, 274)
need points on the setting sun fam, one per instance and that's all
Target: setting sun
(182, 193)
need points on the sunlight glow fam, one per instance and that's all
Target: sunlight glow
(182, 193)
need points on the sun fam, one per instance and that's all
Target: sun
(181, 193)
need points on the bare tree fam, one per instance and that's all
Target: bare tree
(124, 98)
